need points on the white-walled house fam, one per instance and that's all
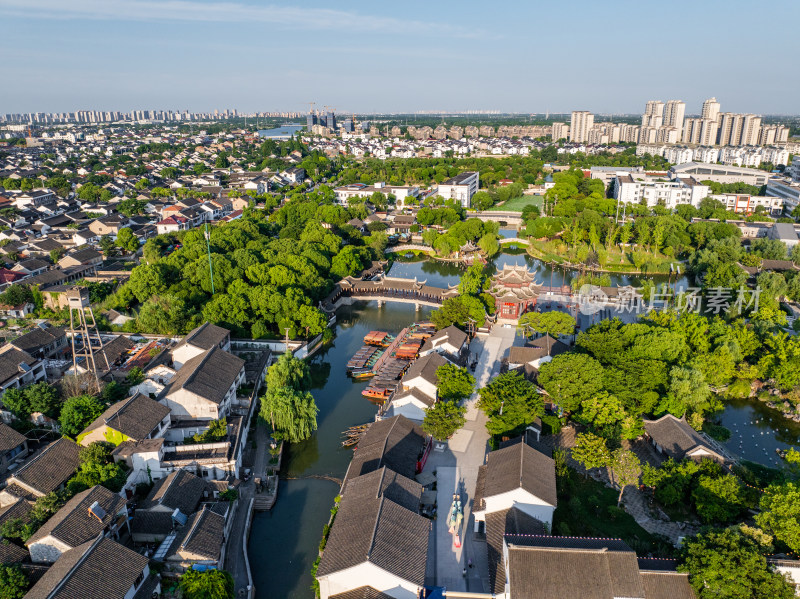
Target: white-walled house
(516, 476)
(89, 513)
(422, 374)
(198, 341)
(411, 403)
(378, 542)
(450, 341)
(205, 386)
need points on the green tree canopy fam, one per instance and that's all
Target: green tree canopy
(727, 563)
(14, 584)
(511, 403)
(591, 451)
(78, 413)
(780, 513)
(455, 383)
(209, 584)
(444, 419)
(570, 379)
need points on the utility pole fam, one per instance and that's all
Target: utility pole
(287, 339)
(210, 267)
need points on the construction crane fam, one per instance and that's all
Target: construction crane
(311, 107)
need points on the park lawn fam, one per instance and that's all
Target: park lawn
(616, 259)
(587, 508)
(517, 204)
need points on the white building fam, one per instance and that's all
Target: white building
(747, 204)
(720, 173)
(653, 192)
(580, 124)
(460, 188)
(560, 131)
(786, 189)
(674, 111)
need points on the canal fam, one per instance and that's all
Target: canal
(283, 542)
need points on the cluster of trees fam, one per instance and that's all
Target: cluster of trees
(447, 415)
(269, 275)
(485, 234)
(511, 403)
(207, 584)
(287, 404)
(668, 362)
(714, 495)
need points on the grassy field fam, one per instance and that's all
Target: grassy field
(586, 508)
(614, 260)
(517, 204)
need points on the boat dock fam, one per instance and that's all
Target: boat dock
(390, 367)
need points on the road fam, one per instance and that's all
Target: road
(457, 472)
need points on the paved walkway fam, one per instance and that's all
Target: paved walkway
(457, 472)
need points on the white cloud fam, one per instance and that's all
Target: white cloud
(222, 12)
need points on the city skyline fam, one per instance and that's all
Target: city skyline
(198, 55)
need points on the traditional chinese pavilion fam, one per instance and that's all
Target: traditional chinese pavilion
(515, 291)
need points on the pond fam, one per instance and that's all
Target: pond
(757, 431)
(282, 132)
(284, 542)
(443, 274)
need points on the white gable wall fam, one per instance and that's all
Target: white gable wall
(422, 384)
(367, 574)
(523, 501)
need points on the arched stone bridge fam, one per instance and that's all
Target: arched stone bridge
(408, 247)
(387, 289)
(513, 240)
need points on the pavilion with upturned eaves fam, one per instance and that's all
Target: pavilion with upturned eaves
(515, 291)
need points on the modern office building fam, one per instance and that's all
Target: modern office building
(581, 122)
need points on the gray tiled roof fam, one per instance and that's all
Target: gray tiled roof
(50, 468)
(362, 593)
(379, 531)
(135, 417)
(82, 568)
(150, 522)
(209, 375)
(38, 338)
(667, 585)
(73, 524)
(21, 509)
(452, 334)
(202, 535)
(11, 554)
(395, 442)
(426, 367)
(205, 336)
(498, 524)
(565, 567)
(675, 436)
(10, 361)
(181, 489)
(387, 483)
(9, 438)
(520, 466)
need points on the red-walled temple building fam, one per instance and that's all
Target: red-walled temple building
(515, 291)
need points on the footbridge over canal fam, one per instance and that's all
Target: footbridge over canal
(387, 289)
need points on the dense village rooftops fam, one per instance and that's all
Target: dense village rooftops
(209, 375)
(498, 524)
(135, 417)
(77, 573)
(50, 468)
(77, 522)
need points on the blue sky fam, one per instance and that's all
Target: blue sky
(395, 56)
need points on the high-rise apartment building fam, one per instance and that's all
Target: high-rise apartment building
(559, 131)
(653, 114)
(581, 122)
(751, 126)
(674, 112)
(710, 109)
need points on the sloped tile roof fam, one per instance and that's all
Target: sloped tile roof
(209, 375)
(520, 466)
(181, 489)
(135, 417)
(51, 468)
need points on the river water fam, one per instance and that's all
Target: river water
(284, 542)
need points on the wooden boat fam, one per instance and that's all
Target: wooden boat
(376, 392)
(361, 374)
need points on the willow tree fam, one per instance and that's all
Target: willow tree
(287, 403)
